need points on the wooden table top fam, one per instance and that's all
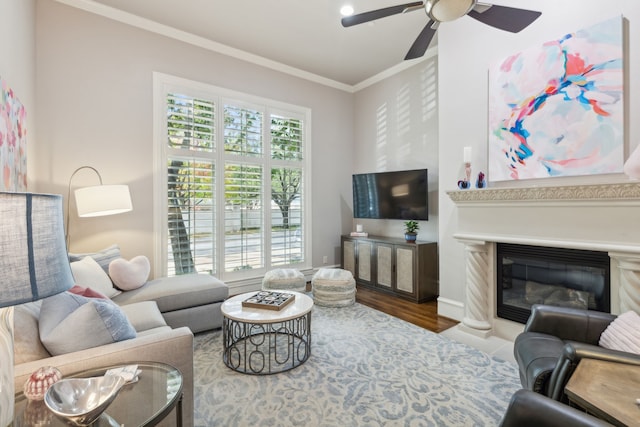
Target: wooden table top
(608, 390)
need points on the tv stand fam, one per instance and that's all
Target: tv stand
(394, 266)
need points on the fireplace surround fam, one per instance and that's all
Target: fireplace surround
(598, 217)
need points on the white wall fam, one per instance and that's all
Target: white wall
(466, 50)
(94, 85)
(17, 63)
(396, 124)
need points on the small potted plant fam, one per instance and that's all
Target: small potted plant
(410, 228)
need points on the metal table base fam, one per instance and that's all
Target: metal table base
(266, 348)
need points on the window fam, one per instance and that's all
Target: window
(232, 177)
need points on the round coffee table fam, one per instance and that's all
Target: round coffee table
(260, 341)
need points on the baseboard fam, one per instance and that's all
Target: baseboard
(450, 308)
(236, 288)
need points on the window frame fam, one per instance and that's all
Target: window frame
(164, 84)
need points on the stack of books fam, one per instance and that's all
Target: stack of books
(359, 234)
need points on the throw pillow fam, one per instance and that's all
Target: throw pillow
(623, 333)
(86, 292)
(70, 322)
(26, 341)
(102, 257)
(88, 273)
(129, 275)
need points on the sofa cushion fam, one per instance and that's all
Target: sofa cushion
(26, 342)
(177, 292)
(144, 315)
(130, 275)
(88, 273)
(102, 257)
(70, 322)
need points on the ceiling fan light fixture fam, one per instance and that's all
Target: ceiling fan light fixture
(502, 17)
(448, 10)
(346, 10)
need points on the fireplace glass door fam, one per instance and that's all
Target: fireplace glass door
(528, 275)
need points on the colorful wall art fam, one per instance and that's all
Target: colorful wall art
(13, 141)
(557, 110)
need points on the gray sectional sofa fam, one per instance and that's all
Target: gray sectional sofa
(191, 300)
(164, 312)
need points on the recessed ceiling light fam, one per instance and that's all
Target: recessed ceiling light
(346, 10)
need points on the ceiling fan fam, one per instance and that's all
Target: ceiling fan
(438, 11)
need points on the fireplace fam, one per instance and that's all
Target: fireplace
(527, 275)
(590, 217)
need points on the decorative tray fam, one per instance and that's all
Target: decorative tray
(269, 300)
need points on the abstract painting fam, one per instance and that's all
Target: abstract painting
(557, 110)
(13, 141)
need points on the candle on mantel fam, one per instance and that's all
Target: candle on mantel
(467, 155)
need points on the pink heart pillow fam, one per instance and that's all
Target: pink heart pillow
(129, 275)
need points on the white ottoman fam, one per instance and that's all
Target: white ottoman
(333, 287)
(286, 279)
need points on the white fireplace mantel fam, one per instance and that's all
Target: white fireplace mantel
(603, 217)
(597, 194)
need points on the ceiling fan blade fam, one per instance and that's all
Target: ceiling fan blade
(419, 47)
(503, 17)
(361, 18)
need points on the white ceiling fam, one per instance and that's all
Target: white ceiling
(303, 34)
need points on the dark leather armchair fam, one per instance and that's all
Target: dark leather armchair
(529, 409)
(553, 342)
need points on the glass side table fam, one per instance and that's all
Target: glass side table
(143, 403)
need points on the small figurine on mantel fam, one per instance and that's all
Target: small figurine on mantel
(463, 184)
(480, 182)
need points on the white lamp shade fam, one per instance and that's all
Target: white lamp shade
(33, 254)
(101, 200)
(34, 265)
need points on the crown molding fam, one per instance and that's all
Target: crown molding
(183, 36)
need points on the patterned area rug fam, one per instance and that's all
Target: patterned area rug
(366, 369)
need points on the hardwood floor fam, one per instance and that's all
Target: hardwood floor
(424, 315)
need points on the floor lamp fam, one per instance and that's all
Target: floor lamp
(98, 200)
(34, 265)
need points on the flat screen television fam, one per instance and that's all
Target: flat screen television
(391, 195)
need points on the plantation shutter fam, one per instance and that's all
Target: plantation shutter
(243, 241)
(242, 131)
(190, 123)
(235, 172)
(190, 185)
(286, 190)
(286, 138)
